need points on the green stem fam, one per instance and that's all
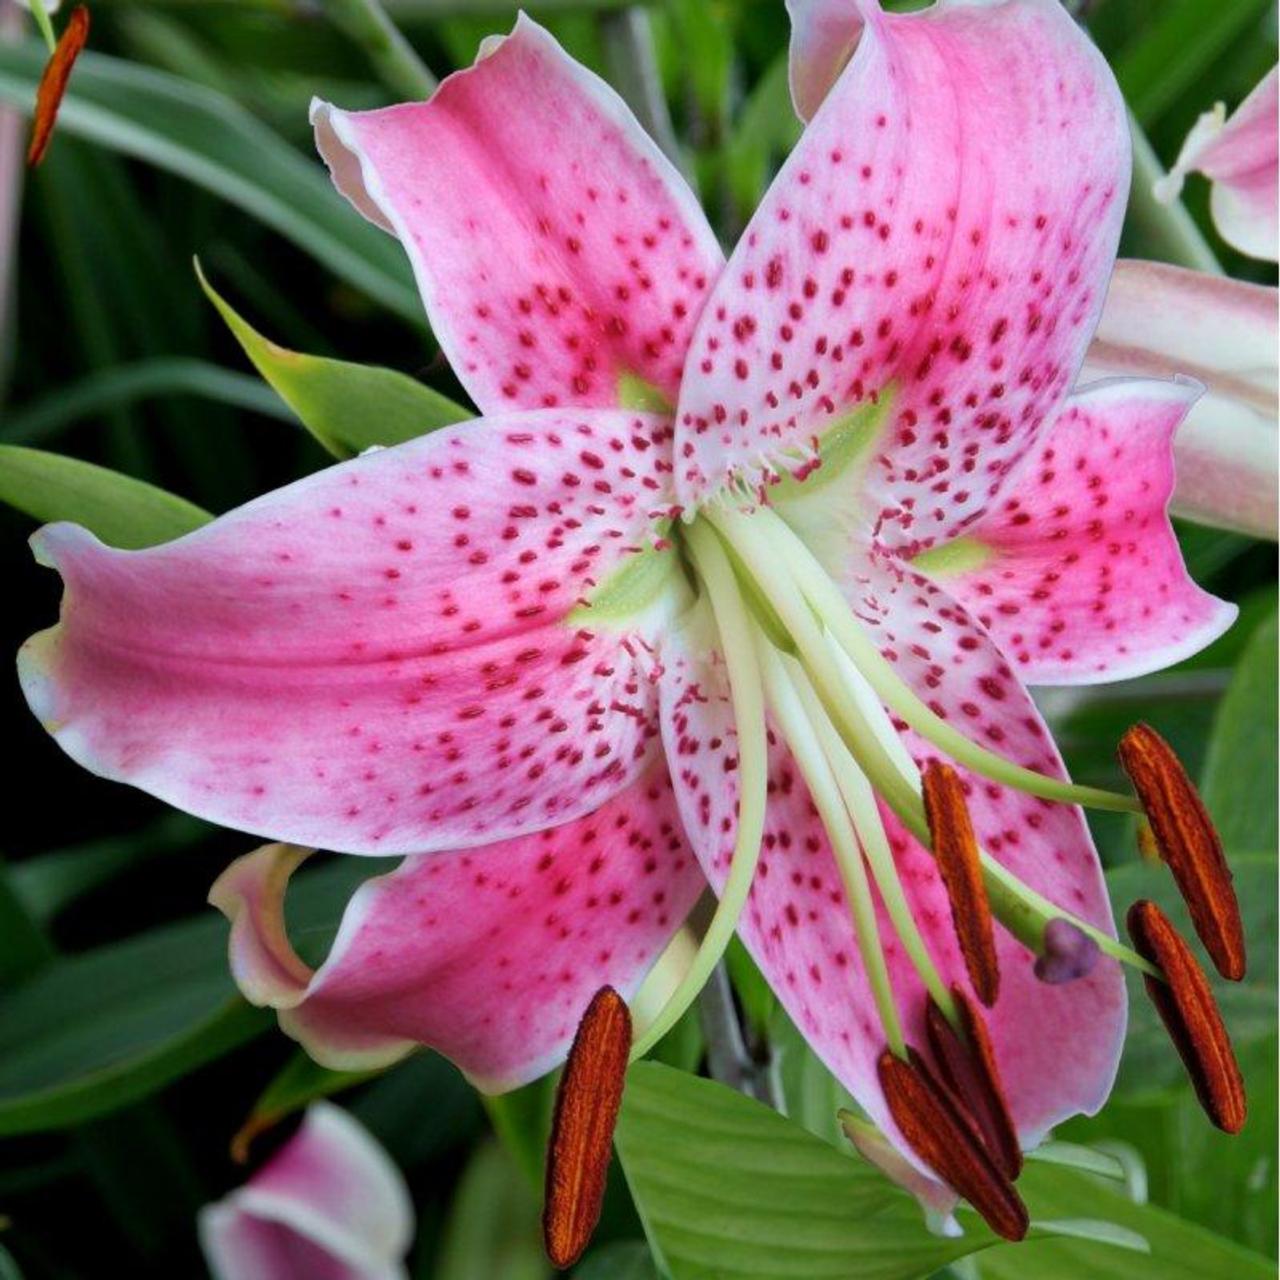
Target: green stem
(785, 703)
(747, 695)
(1167, 229)
(41, 16)
(398, 66)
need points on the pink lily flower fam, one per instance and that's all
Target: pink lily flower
(736, 550)
(329, 1205)
(1241, 156)
(1160, 321)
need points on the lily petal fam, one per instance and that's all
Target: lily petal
(600, 256)
(1057, 1046)
(1161, 320)
(937, 246)
(824, 34)
(1074, 570)
(490, 955)
(389, 656)
(329, 1205)
(1242, 157)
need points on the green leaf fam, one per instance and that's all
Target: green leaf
(492, 1229)
(164, 376)
(621, 1260)
(1149, 1061)
(208, 139)
(347, 407)
(90, 1033)
(728, 1189)
(120, 510)
(1239, 785)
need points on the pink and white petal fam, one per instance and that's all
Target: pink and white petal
(329, 1205)
(1074, 571)
(1242, 157)
(1161, 320)
(797, 922)
(824, 34)
(934, 252)
(388, 656)
(489, 955)
(1058, 1046)
(600, 257)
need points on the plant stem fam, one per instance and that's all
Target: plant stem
(728, 1058)
(1169, 230)
(399, 67)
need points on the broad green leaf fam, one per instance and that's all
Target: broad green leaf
(23, 945)
(492, 1228)
(145, 379)
(621, 1260)
(120, 510)
(728, 1189)
(1239, 785)
(93, 1032)
(522, 1120)
(347, 407)
(1248, 1007)
(210, 140)
(9, 1269)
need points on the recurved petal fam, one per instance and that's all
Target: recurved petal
(1074, 570)
(934, 252)
(1241, 156)
(329, 1205)
(388, 656)
(557, 250)
(489, 955)
(824, 34)
(1159, 321)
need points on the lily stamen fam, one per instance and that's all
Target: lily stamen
(956, 849)
(932, 1123)
(1190, 1014)
(967, 1063)
(1187, 840)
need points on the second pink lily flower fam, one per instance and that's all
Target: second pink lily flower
(643, 620)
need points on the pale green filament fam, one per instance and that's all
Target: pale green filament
(41, 15)
(860, 801)
(780, 688)
(826, 600)
(735, 634)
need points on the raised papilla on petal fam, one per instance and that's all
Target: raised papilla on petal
(390, 656)
(559, 253)
(489, 955)
(934, 252)
(1074, 570)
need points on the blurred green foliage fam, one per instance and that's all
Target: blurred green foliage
(127, 1063)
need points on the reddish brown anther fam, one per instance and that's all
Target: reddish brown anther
(956, 851)
(586, 1112)
(966, 1061)
(1188, 842)
(53, 83)
(1187, 1008)
(938, 1132)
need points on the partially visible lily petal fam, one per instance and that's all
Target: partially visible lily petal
(1161, 320)
(1074, 570)
(329, 1205)
(488, 955)
(385, 656)
(976, 157)
(1057, 1046)
(1241, 155)
(598, 256)
(824, 34)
